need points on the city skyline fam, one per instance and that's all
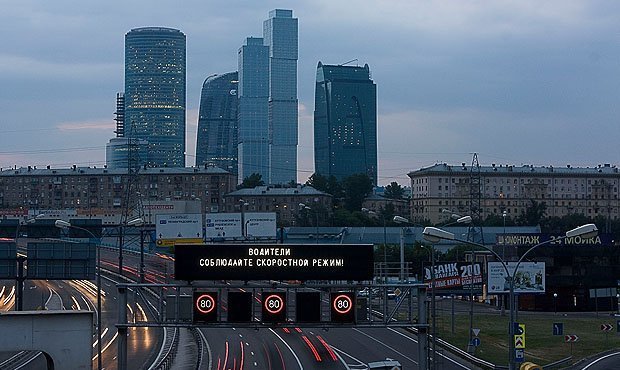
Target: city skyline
(515, 82)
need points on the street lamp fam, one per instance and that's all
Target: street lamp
(62, 224)
(303, 206)
(244, 229)
(366, 210)
(555, 303)
(434, 235)
(19, 282)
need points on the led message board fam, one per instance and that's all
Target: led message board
(274, 262)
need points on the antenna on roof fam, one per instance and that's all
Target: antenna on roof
(350, 61)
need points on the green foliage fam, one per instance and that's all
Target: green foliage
(394, 191)
(533, 214)
(356, 188)
(252, 181)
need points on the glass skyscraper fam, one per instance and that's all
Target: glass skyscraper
(345, 121)
(216, 142)
(155, 93)
(253, 115)
(280, 35)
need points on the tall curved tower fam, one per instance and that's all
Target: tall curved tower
(345, 121)
(216, 142)
(155, 93)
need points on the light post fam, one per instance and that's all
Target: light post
(19, 282)
(618, 302)
(66, 225)
(303, 206)
(366, 210)
(244, 229)
(434, 235)
(555, 303)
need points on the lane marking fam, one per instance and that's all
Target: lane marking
(600, 359)
(289, 348)
(386, 346)
(440, 354)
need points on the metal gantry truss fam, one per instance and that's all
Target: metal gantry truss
(376, 306)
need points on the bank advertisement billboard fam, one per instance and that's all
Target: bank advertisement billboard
(455, 277)
(223, 225)
(178, 228)
(529, 278)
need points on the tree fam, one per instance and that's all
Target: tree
(319, 182)
(394, 191)
(252, 181)
(533, 214)
(356, 187)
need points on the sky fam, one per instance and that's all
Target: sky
(515, 81)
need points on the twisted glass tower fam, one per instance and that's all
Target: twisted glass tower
(155, 93)
(216, 142)
(345, 121)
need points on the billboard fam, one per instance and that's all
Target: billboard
(61, 260)
(273, 262)
(178, 228)
(223, 225)
(260, 225)
(530, 278)
(456, 277)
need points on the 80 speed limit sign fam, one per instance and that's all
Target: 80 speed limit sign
(274, 306)
(205, 307)
(342, 307)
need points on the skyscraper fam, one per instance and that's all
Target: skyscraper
(216, 142)
(155, 93)
(252, 118)
(345, 121)
(280, 35)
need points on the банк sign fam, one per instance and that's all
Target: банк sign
(274, 262)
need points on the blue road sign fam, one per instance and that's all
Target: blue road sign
(618, 326)
(519, 354)
(558, 328)
(475, 342)
(517, 329)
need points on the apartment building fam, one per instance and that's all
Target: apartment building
(589, 191)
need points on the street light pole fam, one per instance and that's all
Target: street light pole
(66, 225)
(434, 235)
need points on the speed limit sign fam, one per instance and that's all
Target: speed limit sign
(274, 306)
(205, 306)
(343, 307)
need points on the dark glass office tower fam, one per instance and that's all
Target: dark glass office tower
(345, 121)
(280, 34)
(253, 116)
(216, 142)
(155, 93)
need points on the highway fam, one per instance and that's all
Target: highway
(224, 348)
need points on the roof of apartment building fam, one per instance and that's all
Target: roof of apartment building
(34, 171)
(605, 169)
(282, 191)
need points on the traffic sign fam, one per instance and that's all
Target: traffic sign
(205, 307)
(308, 306)
(342, 307)
(274, 306)
(476, 331)
(475, 342)
(519, 341)
(239, 306)
(518, 329)
(558, 328)
(571, 338)
(607, 327)
(519, 354)
(618, 326)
